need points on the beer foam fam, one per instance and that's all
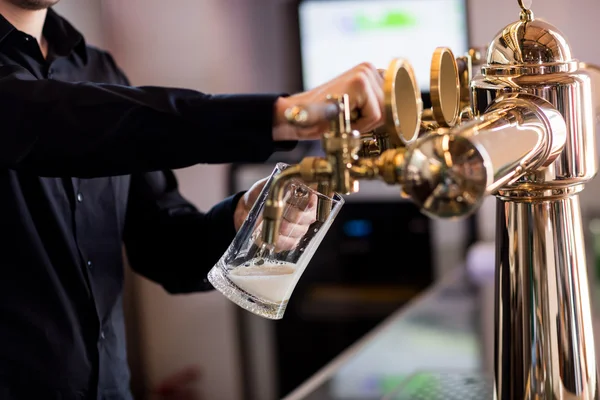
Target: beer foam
(269, 282)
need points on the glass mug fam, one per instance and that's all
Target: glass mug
(261, 280)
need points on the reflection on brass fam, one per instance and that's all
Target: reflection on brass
(311, 114)
(544, 338)
(468, 66)
(402, 111)
(450, 89)
(324, 205)
(529, 47)
(428, 122)
(445, 87)
(403, 104)
(273, 208)
(527, 135)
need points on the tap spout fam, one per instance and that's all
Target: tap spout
(324, 204)
(273, 208)
(310, 170)
(449, 172)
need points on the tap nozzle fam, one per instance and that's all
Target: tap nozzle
(324, 204)
(273, 208)
(310, 170)
(272, 215)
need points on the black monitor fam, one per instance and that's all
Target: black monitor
(335, 35)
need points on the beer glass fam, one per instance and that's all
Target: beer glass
(259, 278)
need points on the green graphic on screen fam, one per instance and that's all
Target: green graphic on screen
(390, 20)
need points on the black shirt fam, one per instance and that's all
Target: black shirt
(85, 165)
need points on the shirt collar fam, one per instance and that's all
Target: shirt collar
(61, 35)
(5, 28)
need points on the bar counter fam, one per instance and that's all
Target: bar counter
(437, 347)
(429, 347)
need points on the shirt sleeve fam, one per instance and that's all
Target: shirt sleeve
(170, 241)
(82, 129)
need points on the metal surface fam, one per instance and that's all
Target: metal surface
(528, 46)
(449, 174)
(545, 346)
(403, 108)
(544, 342)
(403, 104)
(449, 87)
(272, 214)
(529, 140)
(445, 87)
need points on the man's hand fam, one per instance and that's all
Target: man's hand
(364, 86)
(299, 214)
(246, 202)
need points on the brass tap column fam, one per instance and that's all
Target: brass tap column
(544, 339)
(527, 137)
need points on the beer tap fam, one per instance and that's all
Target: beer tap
(521, 127)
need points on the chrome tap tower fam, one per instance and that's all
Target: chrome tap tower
(544, 338)
(519, 125)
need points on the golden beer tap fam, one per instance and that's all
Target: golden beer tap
(350, 155)
(519, 125)
(391, 134)
(449, 88)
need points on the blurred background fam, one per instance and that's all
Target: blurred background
(240, 46)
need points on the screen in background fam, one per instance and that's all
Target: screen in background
(335, 35)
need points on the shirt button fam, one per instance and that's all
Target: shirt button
(89, 264)
(79, 197)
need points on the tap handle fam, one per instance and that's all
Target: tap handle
(445, 87)
(313, 114)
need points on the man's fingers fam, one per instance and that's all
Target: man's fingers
(285, 243)
(301, 211)
(364, 85)
(293, 230)
(367, 95)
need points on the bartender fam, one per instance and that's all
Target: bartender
(86, 164)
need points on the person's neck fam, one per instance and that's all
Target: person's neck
(28, 21)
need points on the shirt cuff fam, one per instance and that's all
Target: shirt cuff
(251, 117)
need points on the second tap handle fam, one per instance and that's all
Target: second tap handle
(313, 114)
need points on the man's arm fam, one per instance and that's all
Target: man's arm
(168, 240)
(54, 128)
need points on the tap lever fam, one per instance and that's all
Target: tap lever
(312, 114)
(445, 87)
